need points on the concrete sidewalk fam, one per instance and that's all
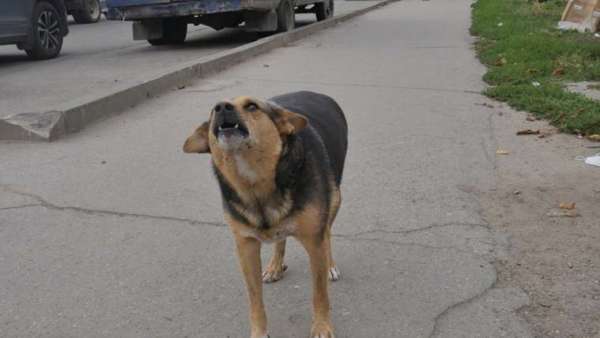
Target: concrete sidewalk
(116, 233)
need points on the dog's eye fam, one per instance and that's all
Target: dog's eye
(251, 106)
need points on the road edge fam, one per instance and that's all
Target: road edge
(51, 125)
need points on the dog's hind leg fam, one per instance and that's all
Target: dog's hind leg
(275, 268)
(336, 201)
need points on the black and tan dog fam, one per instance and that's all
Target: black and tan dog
(279, 165)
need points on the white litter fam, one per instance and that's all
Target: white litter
(536, 84)
(593, 160)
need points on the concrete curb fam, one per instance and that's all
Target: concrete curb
(49, 126)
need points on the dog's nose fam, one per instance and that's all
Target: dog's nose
(224, 107)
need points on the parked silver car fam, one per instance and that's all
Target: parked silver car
(37, 26)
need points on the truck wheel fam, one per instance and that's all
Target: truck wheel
(285, 16)
(89, 13)
(46, 35)
(174, 33)
(324, 10)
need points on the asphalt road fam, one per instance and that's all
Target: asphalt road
(114, 232)
(97, 58)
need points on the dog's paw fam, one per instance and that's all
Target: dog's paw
(273, 273)
(322, 330)
(334, 274)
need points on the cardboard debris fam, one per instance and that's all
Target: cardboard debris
(567, 205)
(502, 152)
(581, 15)
(594, 137)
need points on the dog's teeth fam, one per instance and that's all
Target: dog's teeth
(236, 126)
(220, 128)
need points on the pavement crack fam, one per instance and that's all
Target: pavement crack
(46, 204)
(399, 243)
(424, 229)
(20, 206)
(435, 332)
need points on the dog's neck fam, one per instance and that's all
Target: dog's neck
(262, 185)
(250, 174)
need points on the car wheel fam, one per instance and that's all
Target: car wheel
(174, 33)
(90, 12)
(46, 35)
(324, 10)
(285, 16)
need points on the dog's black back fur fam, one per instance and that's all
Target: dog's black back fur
(326, 118)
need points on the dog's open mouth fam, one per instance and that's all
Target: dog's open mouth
(232, 128)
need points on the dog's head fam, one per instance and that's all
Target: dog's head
(244, 124)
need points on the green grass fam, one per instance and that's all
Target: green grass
(521, 46)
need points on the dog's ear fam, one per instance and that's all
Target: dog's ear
(288, 122)
(198, 141)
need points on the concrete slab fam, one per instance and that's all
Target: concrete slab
(90, 275)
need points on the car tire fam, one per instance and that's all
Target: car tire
(46, 35)
(286, 17)
(324, 10)
(90, 13)
(174, 33)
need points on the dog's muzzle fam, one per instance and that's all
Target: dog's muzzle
(227, 122)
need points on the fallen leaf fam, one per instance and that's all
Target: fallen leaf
(530, 118)
(567, 205)
(563, 213)
(500, 61)
(502, 152)
(594, 137)
(558, 71)
(528, 132)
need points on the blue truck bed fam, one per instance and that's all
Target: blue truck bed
(147, 9)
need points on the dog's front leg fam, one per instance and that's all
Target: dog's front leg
(317, 251)
(248, 250)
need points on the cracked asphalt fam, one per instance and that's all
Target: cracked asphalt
(114, 232)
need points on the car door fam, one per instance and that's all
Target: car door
(14, 18)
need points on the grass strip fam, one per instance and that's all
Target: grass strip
(529, 61)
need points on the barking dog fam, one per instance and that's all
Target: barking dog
(279, 165)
